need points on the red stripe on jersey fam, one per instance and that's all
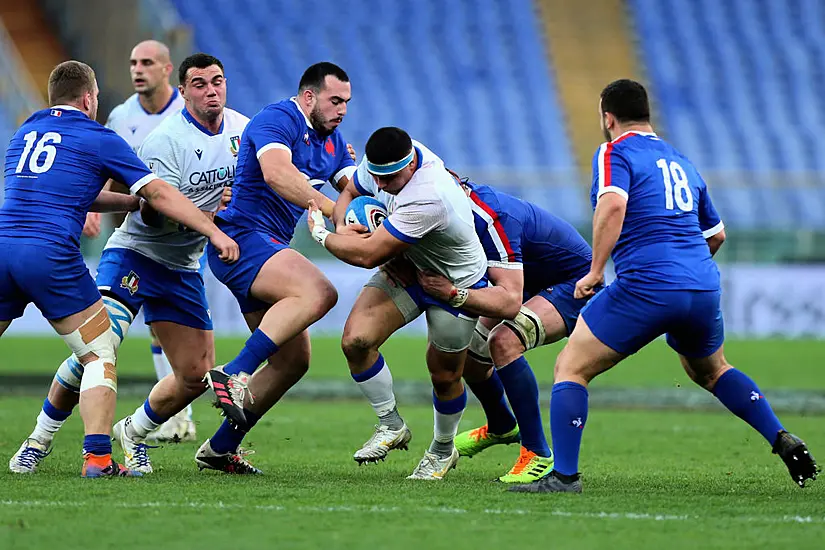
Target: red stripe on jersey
(511, 256)
(607, 151)
(606, 165)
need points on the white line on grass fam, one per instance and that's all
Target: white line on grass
(632, 516)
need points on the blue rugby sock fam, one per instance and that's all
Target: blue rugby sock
(258, 348)
(523, 394)
(228, 437)
(490, 393)
(743, 398)
(568, 415)
(97, 444)
(54, 413)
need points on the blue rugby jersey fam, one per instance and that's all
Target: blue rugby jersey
(319, 158)
(669, 213)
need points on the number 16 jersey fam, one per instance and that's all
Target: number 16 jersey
(56, 165)
(669, 213)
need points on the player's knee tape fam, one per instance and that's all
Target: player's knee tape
(121, 317)
(528, 328)
(95, 336)
(70, 372)
(479, 347)
(449, 333)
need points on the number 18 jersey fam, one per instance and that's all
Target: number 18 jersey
(669, 213)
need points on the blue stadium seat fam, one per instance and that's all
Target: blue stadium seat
(468, 82)
(738, 84)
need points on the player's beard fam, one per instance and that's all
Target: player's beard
(605, 131)
(319, 122)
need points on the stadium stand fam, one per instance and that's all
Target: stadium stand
(473, 84)
(738, 83)
(18, 94)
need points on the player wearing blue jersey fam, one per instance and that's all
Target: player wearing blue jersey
(287, 152)
(154, 100)
(56, 164)
(654, 214)
(155, 268)
(543, 257)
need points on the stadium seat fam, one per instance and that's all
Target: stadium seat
(470, 83)
(738, 86)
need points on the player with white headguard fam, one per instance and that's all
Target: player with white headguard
(155, 265)
(431, 223)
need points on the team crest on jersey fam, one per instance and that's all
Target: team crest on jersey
(130, 282)
(199, 152)
(234, 145)
(329, 147)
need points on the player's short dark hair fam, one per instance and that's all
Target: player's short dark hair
(198, 60)
(69, 81)
(387, 145)
(626, 100)
(314, 77)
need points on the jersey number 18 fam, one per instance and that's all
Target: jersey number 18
(680, 192)
(42, 147)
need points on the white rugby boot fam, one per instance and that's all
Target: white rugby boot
(383, 441)
(434, 467)
(28, 456)
(135, 452)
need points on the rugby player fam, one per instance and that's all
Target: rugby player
(288, 151)
(56, 164)
(654, 216)
(431, 223)
(547, 256)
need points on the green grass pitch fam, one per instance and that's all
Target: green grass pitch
(652, 479)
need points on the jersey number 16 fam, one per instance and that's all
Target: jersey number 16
(680, 192)
(42, 147)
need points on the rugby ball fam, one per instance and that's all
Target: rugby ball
(367, 211)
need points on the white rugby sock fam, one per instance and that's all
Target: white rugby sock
(446, 417)
(46, 428)
(376, 385)
(141, 424)
(162, 366)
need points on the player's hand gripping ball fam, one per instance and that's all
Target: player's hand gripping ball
(367, 211)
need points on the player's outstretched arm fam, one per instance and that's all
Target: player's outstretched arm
(174, 205)
(282, 176)
(367, 251)
(110, 201)
(501, 301)
(607, 226)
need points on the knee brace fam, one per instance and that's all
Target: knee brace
(528, 327)
(479, 348)
(96, 336)
(70, 372)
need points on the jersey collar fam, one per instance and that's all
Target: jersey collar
(65, 107)
(635, 133)
(294, 99)
(172, 99)
(200, 126)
